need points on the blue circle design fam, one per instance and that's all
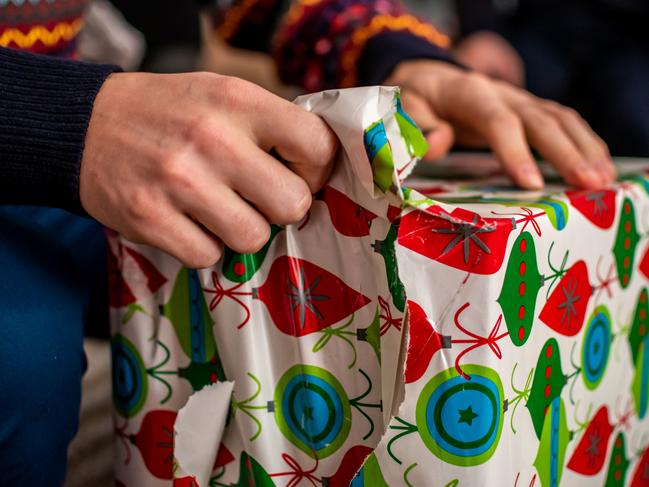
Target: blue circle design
(463, 438)
(597, 344)
(313, 410)
(129, 381)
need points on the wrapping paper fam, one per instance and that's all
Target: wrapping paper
(447, 335)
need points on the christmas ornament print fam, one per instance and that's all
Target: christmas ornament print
(618, 464)
(379, 153)
(596, 347)
(565, 309)
(625, 243)
(312, 410)
(461, 420)
(553, 444)
(598, 206)
(476, 335)
(520, 289)
(129, 377)
(303, 298)
(547, 385)
(590, 453)
(241, 267)
(347, 217)
(460, 239)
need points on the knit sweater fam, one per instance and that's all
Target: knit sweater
(46, 102)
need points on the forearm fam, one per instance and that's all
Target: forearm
(45, 107)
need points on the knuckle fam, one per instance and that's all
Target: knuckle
(570, 115)
(478, 81)
(542, 121)
(200, 258)
(324, 147)
(231, 92)
(297, 207)
(177, 173)
(253, 237)
(140, 207)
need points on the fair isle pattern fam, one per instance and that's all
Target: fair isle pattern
(61, 32)
(41, 26)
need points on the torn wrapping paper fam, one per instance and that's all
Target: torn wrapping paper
(521, 359)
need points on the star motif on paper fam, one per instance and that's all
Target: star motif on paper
(598, 201)
(302, 297)
(570, 298)
(465, 232)
(467, 416)
(593, 446)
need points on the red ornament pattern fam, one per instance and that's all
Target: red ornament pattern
(565, 310)
(348, 218)
(598, 206)
(304, 298)
(590, 454)
(460, 239)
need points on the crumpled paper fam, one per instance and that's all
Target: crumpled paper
(521, 360)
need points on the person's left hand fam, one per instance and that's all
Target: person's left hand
(450, 104)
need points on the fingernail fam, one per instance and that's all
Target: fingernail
(530, 177)
(589, 176)
(609, 167)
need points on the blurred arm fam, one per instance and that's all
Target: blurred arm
(320, 44)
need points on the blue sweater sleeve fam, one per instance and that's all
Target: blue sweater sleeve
(45, 108)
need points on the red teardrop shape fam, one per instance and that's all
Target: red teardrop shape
(347, 217)
(155, 440)
(186, 482)
(423, 343)
(461, 239)
(154, 279)
(303, 298)
(590, 454)
(598, 206)
(564, 312)
(119, 291)
(641, 474)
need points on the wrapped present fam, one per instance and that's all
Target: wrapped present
(420, 333)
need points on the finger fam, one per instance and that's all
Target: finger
(182, 238)
(473, 101)
(302, 139)
(438, 133)
(225, 214)
(279, 194)
(547, 136)
(587, 141)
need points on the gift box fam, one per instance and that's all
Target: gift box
(419, 333)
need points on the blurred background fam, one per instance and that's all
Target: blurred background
(592, 55)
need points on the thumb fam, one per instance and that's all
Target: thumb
(439, 134)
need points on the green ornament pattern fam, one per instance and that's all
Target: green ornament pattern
(625, 243)
(520, 289)
(547, 384)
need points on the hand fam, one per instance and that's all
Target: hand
(181, 162)
(489, 53)
(451, 104)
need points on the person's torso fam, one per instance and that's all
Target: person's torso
(41, 26)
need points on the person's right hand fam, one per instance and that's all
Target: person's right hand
(181, 162)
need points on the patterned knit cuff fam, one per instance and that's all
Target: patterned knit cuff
(45, 108)
(340, 43)
(384, 51)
